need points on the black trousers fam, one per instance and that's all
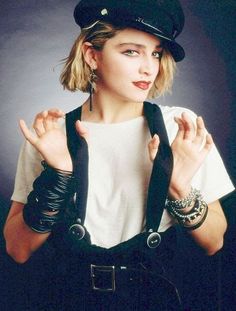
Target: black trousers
(134, 289)
(129, 277)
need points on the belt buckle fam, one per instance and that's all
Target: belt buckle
(103, 278)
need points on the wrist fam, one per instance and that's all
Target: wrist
(190, 212)
(67, 167)
(179, 192)
(63, 168)
(62, 162)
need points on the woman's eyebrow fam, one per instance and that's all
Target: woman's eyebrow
(137, 45)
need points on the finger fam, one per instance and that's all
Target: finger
(180, 133)
(207, 147)
(53, 117)
(200, 131)
(153, 147)
(56, 113)
(82, 130)
(189, 127)
(209, 143)
(49, 122)
(27, 133)
(38, 123)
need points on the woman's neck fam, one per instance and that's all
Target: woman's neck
(107, 109)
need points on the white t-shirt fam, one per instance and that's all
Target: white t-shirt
(119, 173)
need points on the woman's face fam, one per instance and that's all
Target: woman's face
(128, 65)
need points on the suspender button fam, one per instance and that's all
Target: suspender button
(77, 231)
(154, 240)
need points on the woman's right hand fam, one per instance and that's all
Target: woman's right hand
(49, 138)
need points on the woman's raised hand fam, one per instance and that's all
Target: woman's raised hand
(49, 138)
(190, 148)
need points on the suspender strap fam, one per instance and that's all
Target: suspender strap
(78, 148)
(162, 168)
(161, 173)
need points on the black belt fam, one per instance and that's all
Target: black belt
(109, 278)
(112, 279)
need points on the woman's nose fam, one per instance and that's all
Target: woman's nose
(148, 66)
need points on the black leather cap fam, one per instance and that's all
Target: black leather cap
(163, 18)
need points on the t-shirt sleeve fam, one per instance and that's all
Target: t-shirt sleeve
(28, 169)
(212, 178)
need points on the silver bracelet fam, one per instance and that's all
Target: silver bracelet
(185, 202)
(195, 212)
(196, 224)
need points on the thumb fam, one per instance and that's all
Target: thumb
(27, 133)
(153, 147)
(82, 130)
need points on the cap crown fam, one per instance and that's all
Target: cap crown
(162, 18)
(166, 14)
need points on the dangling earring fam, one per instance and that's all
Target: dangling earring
(92, 80)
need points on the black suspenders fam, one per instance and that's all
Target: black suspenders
(78, 149)
(162, 168)
(159, 181)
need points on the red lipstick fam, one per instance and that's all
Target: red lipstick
(143, 85)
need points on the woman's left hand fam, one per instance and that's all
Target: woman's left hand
(190, 148)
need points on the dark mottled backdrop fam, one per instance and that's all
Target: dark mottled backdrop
(36, 35)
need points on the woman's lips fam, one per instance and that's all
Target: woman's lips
(143, 85)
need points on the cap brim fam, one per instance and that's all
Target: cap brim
(175, 49)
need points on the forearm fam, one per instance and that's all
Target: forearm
(207, 231)
(205, 223)
(28, 226)
(210, 235)
(21, 241)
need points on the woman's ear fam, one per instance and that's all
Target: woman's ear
(89, 54)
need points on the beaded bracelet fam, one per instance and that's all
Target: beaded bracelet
(191, 215)
(185, 202)
(198, 211)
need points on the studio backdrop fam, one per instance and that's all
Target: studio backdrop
(36, 35)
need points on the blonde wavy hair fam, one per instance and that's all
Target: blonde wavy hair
(76, 72)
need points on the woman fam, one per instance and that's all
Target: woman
(126, 53)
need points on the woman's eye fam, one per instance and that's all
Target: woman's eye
(131, 53)
(157, 54)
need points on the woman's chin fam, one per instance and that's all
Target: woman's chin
(138, 97)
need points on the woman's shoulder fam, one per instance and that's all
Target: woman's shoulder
(169, 112)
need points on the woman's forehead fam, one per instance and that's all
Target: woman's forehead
(132, 35)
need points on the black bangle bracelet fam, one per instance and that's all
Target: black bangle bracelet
(57, 170)
(39, 221)
(47, 202)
